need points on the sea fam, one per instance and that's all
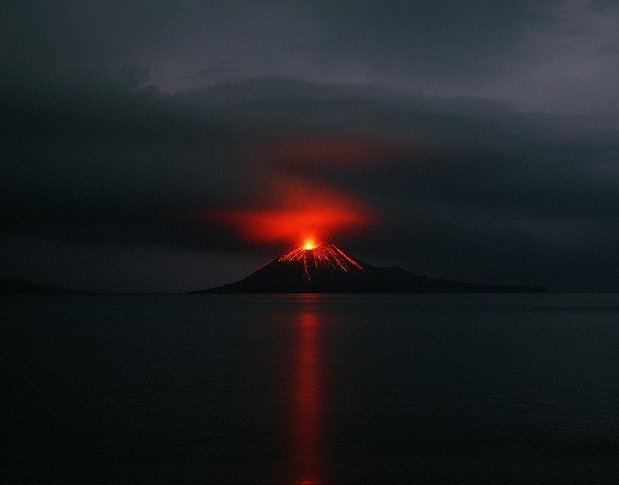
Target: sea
(309, 389)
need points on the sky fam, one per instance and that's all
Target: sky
(155, 146)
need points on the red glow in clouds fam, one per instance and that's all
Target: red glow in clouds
(303, 213)
(338, 150)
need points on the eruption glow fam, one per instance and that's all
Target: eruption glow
(304, 213)
(309, 243)
(324, 254)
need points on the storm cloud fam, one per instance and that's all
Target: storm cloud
(482, 138)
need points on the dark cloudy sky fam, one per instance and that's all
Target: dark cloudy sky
(467, 140)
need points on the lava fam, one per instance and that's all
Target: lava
(309, 243)
(323, 254)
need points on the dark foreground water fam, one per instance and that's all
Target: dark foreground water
(310, 389)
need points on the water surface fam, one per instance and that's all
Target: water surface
(310, 389)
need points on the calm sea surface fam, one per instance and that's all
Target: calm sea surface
(310, 389)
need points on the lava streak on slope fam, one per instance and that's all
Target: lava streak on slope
(326, 255)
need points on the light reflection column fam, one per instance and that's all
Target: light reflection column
(307, 412)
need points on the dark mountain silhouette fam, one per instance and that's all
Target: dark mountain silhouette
(328, 269)
(14, 286)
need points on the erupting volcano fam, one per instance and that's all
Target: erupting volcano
(325, 268)
(319, 259)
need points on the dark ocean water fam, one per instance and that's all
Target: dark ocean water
(310, 389)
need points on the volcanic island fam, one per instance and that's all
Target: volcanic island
(325, 268)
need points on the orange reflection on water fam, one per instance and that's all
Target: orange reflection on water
(307, 406)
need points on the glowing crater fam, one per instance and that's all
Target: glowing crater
(309, 243)
(321, 254)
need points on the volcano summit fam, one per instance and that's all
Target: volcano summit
(325, 268)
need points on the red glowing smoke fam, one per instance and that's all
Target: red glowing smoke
(336, 150)
(299, 210)
(294, 209)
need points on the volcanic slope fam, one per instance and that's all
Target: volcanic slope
(328, 269)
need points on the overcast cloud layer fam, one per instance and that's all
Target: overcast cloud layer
(481, 136)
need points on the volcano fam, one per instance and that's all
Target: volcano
(325, 268)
